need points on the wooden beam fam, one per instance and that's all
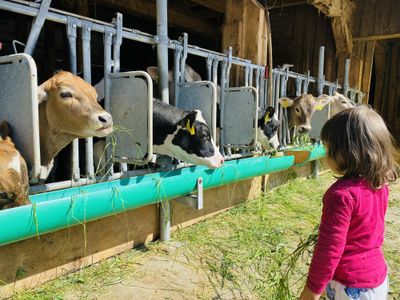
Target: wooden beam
(378, 37)
(287, 3)
(367, 70)
(219, 5)
(148, 9)
(341, 12)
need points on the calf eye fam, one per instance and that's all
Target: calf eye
(66, 95)
(297, 109)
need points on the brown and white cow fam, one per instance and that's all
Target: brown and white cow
(14, 180)
(337, 102)
(301, 109)
(68, 109)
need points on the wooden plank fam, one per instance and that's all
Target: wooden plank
(392, 85)
(378, 20)
(367, 70)
(219, 6)
(31, 262)
(397, 98)
(380, 67)
(148, 9)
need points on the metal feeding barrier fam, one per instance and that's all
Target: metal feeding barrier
(128, 95)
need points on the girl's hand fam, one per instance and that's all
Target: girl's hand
(306, 294)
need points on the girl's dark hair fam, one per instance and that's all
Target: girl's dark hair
(361, 145)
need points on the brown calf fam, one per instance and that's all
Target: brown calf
(14, 180)
(68, 109)
(301, 109)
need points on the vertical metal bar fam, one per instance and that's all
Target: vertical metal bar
(298, 86)
(246, 75)
(306, 83)
(346, 77)
(177, 74)
(262, 88)
(107, 84)
(222, 106)
(251, 76)
(117, 42)
(71, 34)
(215, 74)
(37, 25)
(320, 80)
(184, 40)
(209, 62)
(87, 75)
(162, 59)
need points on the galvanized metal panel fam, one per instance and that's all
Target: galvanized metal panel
(240, 117)
(318, 120)
(131, 107)
(200, 95)
(19, 106)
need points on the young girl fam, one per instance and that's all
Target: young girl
(348, 261)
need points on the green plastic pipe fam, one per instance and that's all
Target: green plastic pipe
(60, 209)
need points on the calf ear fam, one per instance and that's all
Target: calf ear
(188, 122)
(191, 75)
(323, 100)
(43, 91)
(269, 113)
(285, 102)
(153, 72)
(5, 129)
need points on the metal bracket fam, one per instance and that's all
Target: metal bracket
(298, 86)
(194, 201)
(117, 41)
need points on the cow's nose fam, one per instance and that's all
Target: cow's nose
(222, 161)
(105, 119)
(304, 129)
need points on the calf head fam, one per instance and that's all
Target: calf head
(337, 101)
(191, 142)
(301, 110)
(268, 125)
(14, 180)
(68, 109)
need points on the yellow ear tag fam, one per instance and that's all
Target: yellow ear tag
(319, 107)
(285, 104)
(266, 120)
(190, 129)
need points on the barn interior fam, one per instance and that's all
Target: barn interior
(366, 31)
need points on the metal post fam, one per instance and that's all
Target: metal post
(37, 25)
(107, 83)
(162, 55)
(222, 107)
(71, 34)
(87, 75)
(117, 42)
(177, 72)
(321, 79)
(346, 77)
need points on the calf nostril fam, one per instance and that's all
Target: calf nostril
(102, 119)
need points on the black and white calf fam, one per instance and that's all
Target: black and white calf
(267, 129)
(184, 135)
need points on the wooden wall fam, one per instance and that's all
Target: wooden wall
(386, 84)
(297, 34)
(376, 20)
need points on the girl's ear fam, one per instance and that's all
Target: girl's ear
(286, 102)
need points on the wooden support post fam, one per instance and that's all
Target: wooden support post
(245, 29)
(367, 70)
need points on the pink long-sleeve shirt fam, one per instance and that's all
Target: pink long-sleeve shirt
(349, 247)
